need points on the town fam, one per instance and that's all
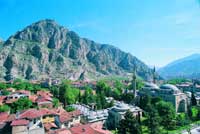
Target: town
(103, 107)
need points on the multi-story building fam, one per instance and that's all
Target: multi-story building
(167, 92)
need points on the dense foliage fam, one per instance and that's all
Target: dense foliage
(129, 125)
(21, 104)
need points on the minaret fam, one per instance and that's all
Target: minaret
(134, 81)
(154, 75)
(193, 85)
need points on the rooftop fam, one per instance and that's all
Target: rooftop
(21, 122)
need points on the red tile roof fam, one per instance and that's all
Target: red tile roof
(75, 113)
(93, 128)
(3, 117)
(43, 99)
(44, 93)
(33, 98)
(65, 117)
(48, 126)
(11, 117)
(19, 122)
(2, 99)
(30, 114)
(82, 129)
(97, 127)
(45, 111)
(11, 101)
(60, 131)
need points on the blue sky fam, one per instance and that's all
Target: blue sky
(155, 31)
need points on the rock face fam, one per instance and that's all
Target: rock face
(188, 67)
(47, 50)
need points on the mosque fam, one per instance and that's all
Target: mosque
(167, 92)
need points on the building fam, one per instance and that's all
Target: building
(167, 92)
(90, 115)
(14, 97)
(116, 113)
(28, 121)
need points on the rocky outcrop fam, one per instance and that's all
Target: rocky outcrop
(46, 49)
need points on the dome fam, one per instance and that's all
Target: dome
(169, 86)
(151, 85)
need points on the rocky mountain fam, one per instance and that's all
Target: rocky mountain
(1, 41)
(188, 67)
(48, 50)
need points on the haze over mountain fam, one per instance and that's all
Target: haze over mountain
(187, 67)
(48, 50)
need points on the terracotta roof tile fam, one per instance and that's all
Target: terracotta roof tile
(4, 116)
(21, 122)
(82, 129)
(30, 114)
(11, 117)
(60, 131)
(48, 126)
(33, 98)
(94, 128)
(2, 99)
(45, 111)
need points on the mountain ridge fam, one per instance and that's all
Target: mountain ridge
(45, 49)
(187, 67)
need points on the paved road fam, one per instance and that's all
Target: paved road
(194, 131)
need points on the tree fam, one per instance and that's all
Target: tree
(144, 102)
(155, 100)
(119, 86)
(182, 119)
(2, 86)
(21, 104)
(193, 100)
(193, 113)
(102, 87)
(153, 121)
(167, 113)
(70, 109)
(116, 94)
(5, 92)
(55, 102)
(129, 125)
(128, 97)
(88, 96)
(67, 94)
(4, 108)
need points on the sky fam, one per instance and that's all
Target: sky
(155, 31)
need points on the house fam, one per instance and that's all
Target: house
(117, 112)
(28, 121)
(44, 99)
(90, 115)
(5, 120)
(14, 97)
(68, 119)
(49, 119)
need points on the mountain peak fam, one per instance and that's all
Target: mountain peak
(44, 31)
(47, 50)
(187, 67)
